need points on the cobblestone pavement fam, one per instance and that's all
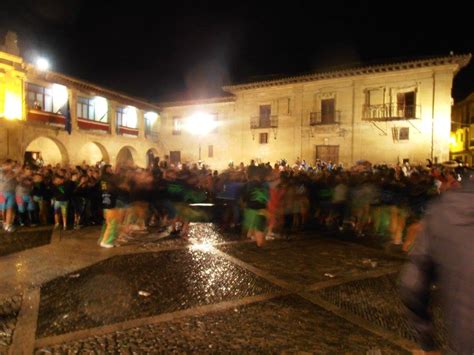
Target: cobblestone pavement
(109, 291)
(309, 261)
(376, 300)
(211, 293)
(23, 239)
(282, 325)
(9, 309)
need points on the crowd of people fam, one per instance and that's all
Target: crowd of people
(264, 201)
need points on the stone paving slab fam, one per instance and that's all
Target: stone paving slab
(309, 261)
(23, 239)
(376, 300)
(9, 309)
(108, 292)
(287, 324)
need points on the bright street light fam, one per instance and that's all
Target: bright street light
(42, 63)
(200, 124)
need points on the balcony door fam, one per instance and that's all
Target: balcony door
(328, 111)
(264, 116)
(406, 102)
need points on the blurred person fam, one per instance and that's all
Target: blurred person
(79, 199)
(443, 254)
(112, 213)
(255, 197)
(60, 201)
(24, 199)
(7, 188)
(39, 193)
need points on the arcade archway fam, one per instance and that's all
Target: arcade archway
(127, 156)
(49, 150)
(92, 152)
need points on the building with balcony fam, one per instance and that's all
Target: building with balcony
(385, 113)
(69, 121)
(462, 130)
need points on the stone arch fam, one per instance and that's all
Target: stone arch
(52, 150)
(92, 152)
(127, 156)
(150, 155)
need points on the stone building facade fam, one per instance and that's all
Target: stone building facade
(37, 106)
(385, 114)
(462, 130)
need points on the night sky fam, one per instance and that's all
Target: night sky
(163, 50)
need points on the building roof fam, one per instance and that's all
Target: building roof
(212, 100)
(93, 88)
(461, 60)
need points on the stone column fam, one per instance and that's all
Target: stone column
(111, 116)
(72, 97)
(141, 123)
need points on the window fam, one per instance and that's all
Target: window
(263, 138)
(404, 133)
(210, 151)
(214, 119)
(148, 126)
(120, 116)
(85, 108)
(406, 104)
(126, 117)
(150, 119)
(264, 116)
(176, 125)
(328, 111)
(39, 97)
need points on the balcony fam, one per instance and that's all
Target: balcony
(263, 122)
(390, 112)
(323, 118)
(45, 117)
(87, 124)
(129, 131)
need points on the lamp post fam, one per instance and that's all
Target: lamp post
(199, 124)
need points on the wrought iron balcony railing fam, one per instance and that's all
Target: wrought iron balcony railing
(264, 122)
(323, 118)
(390, 112)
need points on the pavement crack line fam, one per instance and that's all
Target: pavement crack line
(164, 317)
(304, 293)
(24, 335)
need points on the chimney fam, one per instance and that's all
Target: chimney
(11, 44)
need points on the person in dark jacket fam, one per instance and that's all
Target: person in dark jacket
(444, 254)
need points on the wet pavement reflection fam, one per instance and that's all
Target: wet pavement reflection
(140, 285)
(309, 261)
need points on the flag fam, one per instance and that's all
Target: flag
(68, 125)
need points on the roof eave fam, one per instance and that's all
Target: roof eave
(460, 60)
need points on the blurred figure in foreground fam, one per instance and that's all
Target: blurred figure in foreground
(444, 254)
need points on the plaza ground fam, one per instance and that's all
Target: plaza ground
(214, 293)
